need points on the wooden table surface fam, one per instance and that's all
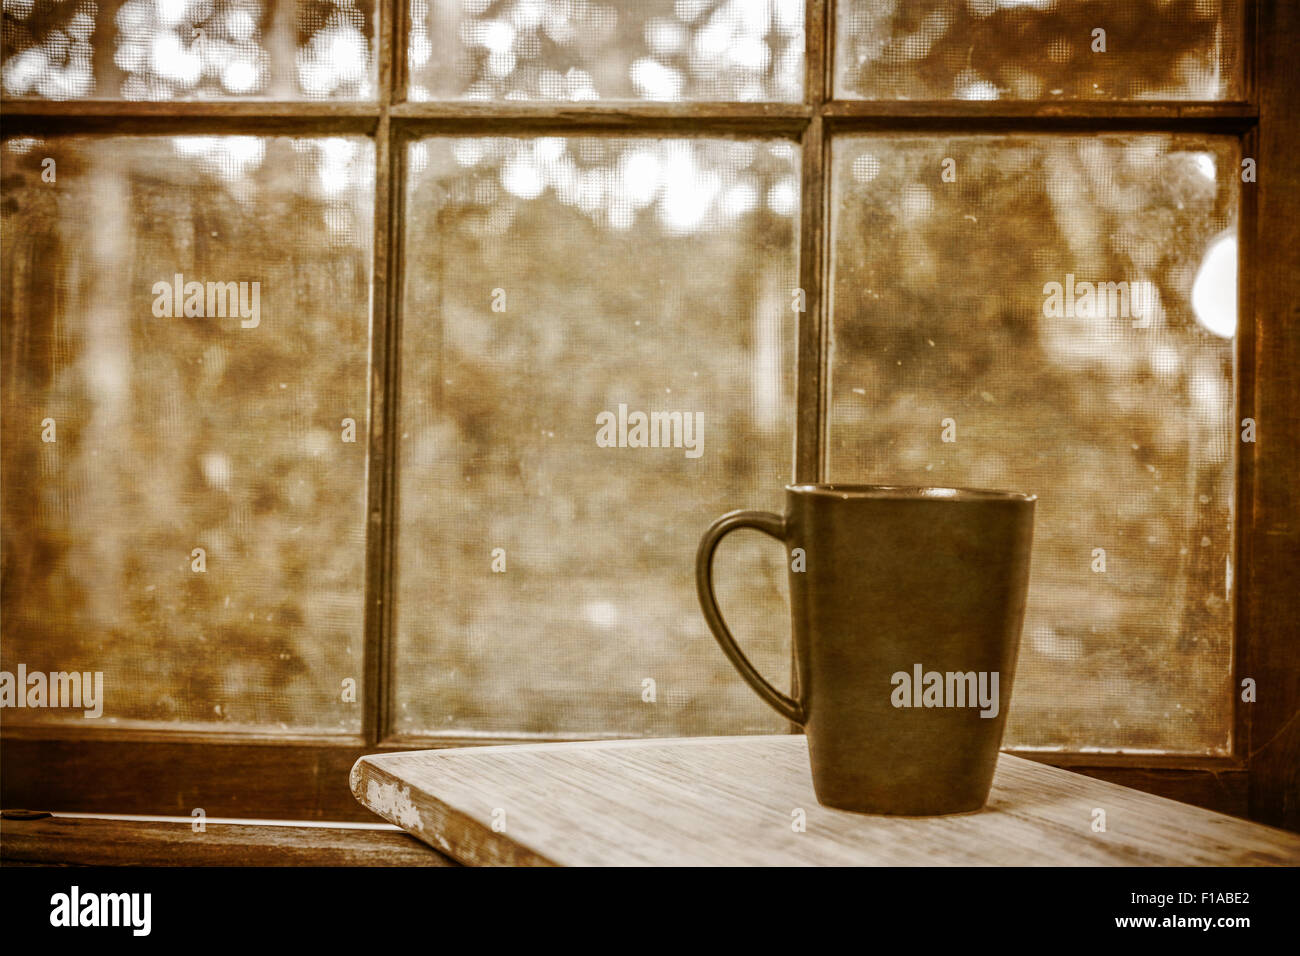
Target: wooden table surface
(739, 800)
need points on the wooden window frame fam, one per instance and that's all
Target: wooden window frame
(305, 776)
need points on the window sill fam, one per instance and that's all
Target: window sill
(92, 841)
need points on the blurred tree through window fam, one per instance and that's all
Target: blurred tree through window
(1119, 417)
(567, 244)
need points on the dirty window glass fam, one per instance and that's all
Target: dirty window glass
(1055, 315)
(1038, 49)
(184, 401)
(556, 288)
(582, 50)
(190, 49)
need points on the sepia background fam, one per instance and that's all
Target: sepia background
(653, 270)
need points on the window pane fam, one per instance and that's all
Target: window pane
(616, 50)
(190, 49)
(1038, 49)
(135, 433)
(957, 362)
(545, 580)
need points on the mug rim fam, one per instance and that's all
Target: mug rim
(850, 490)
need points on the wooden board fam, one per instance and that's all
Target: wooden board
(734, 800)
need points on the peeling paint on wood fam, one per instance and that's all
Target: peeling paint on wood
(393, 803)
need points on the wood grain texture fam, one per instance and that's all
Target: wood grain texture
(123, 772)
(268, 775)
(731, 801)
(1225, 791)
(810, 411)
(1271, 558)
(70, 841)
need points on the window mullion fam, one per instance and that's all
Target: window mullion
(384, 343)
(809, 421)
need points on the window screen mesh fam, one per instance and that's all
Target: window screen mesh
(548, 281)
(131, 438)
(189, 49)
(613, 50)
(956, 362)
(1038, 49)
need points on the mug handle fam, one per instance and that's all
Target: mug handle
(770, 524)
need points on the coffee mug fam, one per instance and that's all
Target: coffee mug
(906, 607)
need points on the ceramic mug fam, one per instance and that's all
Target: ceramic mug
(906, 607)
